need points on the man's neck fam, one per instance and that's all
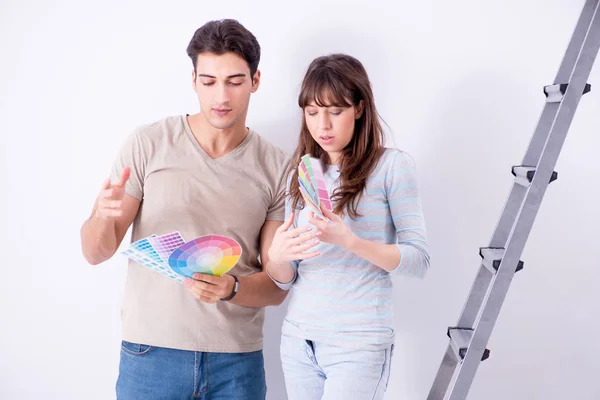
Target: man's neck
(216, 142)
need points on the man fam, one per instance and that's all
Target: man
(197, 174)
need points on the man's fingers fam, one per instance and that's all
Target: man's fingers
(110, 212)
(124, 177)
(209, 279)
(108, 193)
(106, 184)
(203, 295)
(205, 298)
(112, 203)
(114, 193)
(208, 299)
(109, 204)
(198, 285)
(201, 287)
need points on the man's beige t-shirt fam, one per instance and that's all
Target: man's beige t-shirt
(183, 189)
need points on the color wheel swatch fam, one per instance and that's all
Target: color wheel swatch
(172, 256)
(312, 185)
(211, 254)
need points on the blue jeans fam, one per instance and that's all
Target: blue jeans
(149, 373)
(315, 371)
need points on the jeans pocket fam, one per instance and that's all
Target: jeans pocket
(135, 349)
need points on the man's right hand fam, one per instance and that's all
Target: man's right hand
(110, 198)
(113, 213)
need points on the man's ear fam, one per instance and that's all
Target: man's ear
(194, 80)
(256, 81)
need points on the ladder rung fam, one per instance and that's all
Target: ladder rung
(460, 339)
(555, 93)
(492, 257)
(524, 174)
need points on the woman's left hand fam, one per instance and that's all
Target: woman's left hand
(335, 231)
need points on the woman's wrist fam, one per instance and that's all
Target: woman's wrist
(352, 242)
(280, 271)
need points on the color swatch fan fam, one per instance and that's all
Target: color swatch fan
(311, 182)
(144, 253)
(210, 254)
(172, 257)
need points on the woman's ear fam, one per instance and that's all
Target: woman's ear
(359, 109)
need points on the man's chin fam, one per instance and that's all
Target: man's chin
(222, 125)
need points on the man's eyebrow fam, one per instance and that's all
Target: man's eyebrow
(229, 77)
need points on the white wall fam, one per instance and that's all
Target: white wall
(459, 82)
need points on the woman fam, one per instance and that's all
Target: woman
(337, 337)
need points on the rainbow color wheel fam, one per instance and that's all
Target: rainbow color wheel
(210, 254)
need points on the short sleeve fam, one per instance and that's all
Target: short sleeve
(131, 155)
(276, 211)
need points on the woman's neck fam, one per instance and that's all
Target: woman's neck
(334, 157)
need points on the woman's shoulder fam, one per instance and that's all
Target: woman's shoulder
(392, 158)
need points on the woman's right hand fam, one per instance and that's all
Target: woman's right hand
(290, 245)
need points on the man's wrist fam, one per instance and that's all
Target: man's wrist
(234, 284)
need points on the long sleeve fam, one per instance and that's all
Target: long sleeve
(405, 208)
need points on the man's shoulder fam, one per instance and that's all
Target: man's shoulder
(160, 128)
(268, 152)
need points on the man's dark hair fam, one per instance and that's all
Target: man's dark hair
(225, 36)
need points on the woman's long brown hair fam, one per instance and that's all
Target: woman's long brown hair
(340, 80)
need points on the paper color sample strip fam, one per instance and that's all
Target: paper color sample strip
(143, 253)
(166, 244)
(171, 256)
(312, 185)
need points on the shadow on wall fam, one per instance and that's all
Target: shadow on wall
(479, 127)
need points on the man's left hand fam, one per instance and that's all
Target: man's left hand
(209, 288)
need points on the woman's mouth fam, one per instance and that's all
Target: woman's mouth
(325, 139)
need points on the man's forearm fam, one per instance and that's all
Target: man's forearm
(258, 290)
(98, 240)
